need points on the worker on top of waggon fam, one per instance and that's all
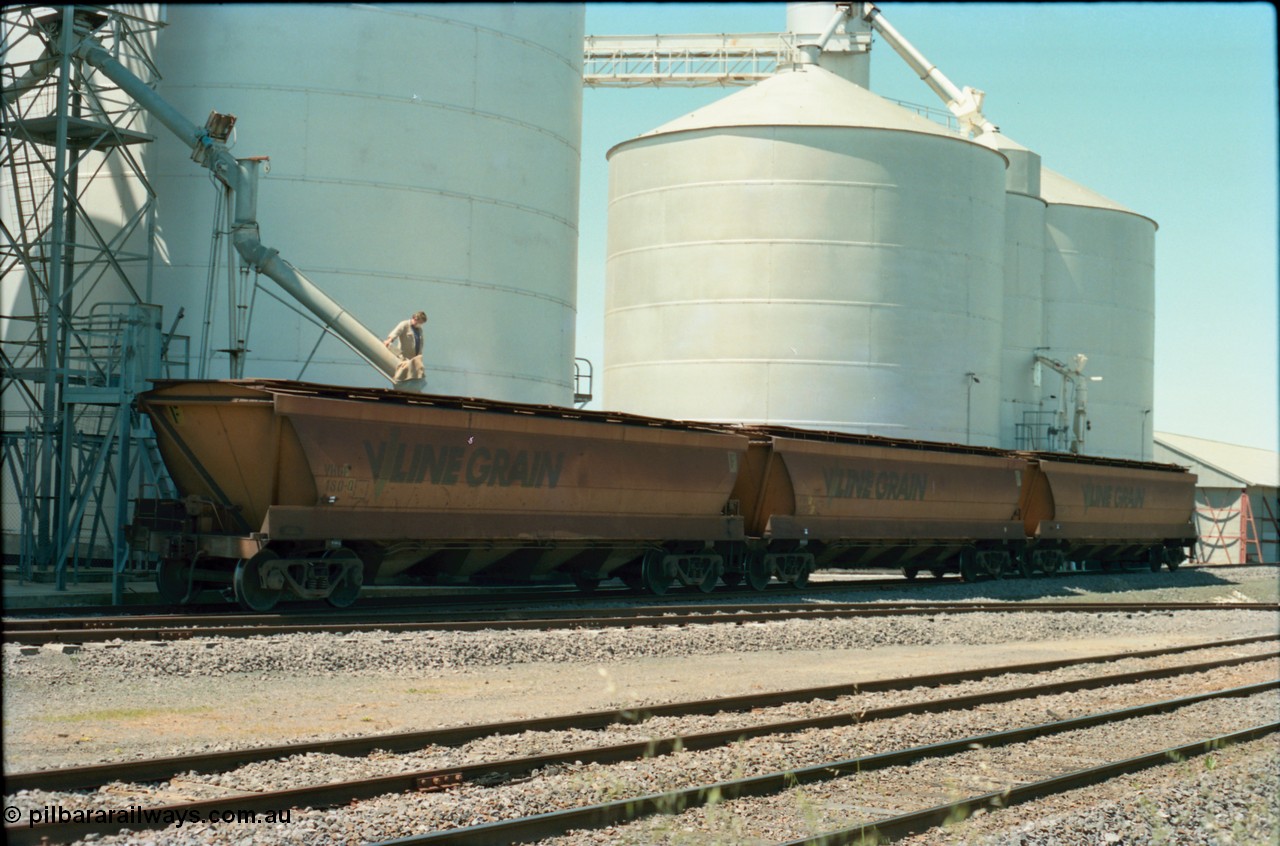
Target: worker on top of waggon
(407, 336)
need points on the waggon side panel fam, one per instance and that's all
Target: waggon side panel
(564, 475)
(451, 528)
(852, 491)
(1112, 502)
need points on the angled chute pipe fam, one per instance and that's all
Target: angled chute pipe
(241, 177)
(965, 104)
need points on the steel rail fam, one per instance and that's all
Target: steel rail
(454, 615)
(915, 822)
(31, 634)
(467, 595)
(556, 823)
(95, 775)
(339, 793)
(555, 593)
(393, 615)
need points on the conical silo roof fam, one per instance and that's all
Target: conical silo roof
(1056, 188)
(806, 96)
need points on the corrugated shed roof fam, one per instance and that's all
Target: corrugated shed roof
(1249, 465)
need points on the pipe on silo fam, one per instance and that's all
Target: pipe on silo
(241, 177)
(45, 64)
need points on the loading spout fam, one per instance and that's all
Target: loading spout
(965, 104)
(241, 177)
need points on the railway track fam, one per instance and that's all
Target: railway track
(820, 720)
(466, 599)
(84, 630)
(502, 597)
(472, 597)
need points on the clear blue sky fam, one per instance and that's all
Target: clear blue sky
(1167, 109)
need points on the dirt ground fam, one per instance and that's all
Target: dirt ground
(95, 719)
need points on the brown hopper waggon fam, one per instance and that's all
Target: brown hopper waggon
(308, 491)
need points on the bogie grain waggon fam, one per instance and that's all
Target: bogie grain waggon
(292, 490)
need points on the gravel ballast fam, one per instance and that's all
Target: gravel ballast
(121, 701)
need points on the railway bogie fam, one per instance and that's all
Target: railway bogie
(304, 491)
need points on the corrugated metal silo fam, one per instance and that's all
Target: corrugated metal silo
(806, 253)
(1099, 300)
(422, 157)
(1024, 261)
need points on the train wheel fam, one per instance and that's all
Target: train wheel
(708, 583)
(802, 578)
(345, 593)
(969, 564)
(173, 581)
(250, 592)
(1156, 558)
(911, 573)
(653, 572)
(758, 573)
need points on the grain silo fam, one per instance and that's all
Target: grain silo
(806, 253)
(1021, 403)
(421, 157)
(1099, 301)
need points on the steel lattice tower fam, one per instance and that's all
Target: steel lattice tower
(78, 335)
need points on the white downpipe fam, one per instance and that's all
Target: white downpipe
(810, 50)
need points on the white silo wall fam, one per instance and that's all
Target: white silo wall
(804, 253)
(1023, 288)
(1024, 264)
(1099, 300)
(422, 157)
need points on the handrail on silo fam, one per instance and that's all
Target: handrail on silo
(240, 175)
